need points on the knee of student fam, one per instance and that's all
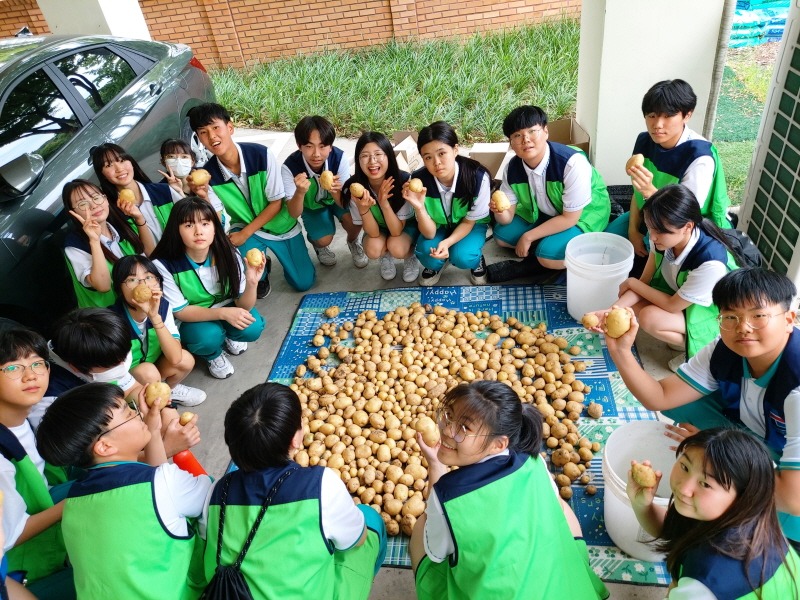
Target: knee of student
(374, 247)
(323, 241)
(649, 318)
(253, 331)
(465, 256)
(204, 338)
(146, 373)
(187, 361)
(399, 247)
(549, 263)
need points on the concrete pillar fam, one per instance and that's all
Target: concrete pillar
(123, 18)
(628, 45)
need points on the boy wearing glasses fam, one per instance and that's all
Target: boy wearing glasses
(748, 377)
(555, 195)
(31, 515)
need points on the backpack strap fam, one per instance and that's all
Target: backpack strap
(267, 501)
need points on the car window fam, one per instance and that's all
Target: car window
(97, 74)
(35, 118)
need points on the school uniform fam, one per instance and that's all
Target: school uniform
(707, 575)
(305, 545)
(405, 213)
(246, 195)
(126, 531)
(187, 282)
(768, 406)
(447, 207)
(508, 533)
(319, 207)
(564, 181)
(692, 275)
(157, 202)
(145, 346)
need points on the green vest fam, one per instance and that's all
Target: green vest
(190, 285)
(459, 207)
(43, 554)
(147, 349)
(116, 542)
(89, 297)
(296, 165)
(161, 199)
(511, 536)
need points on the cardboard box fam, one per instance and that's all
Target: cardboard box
(405, 149)
(492, 156)
(567, 131)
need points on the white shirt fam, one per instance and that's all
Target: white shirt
(288, 179)
(480, 208)
(699, 282)
(149, 212)
(82, 261)
(404, 214)
(15, 513)
(208, 277)
(699, 176)
(178, 495)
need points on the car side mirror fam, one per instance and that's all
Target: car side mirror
(19, 176)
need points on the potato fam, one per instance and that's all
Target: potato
(254, 257)
(595, 410)
(186, 417)
(415, 185)
(158, 390)
(357, 190)
(142, 293)
(565, 492)
(407, 524)
(414, 506)
(643, 475)
(501, 201)
(618, 322)
(199, 177)
(637, 160)
(126, 195)
(393, 506)
(590, 320)
(429, 430)
(332, 312)
(326, 180)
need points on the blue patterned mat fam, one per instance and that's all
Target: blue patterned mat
(530, 304)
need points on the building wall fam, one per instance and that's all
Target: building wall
(240, 32)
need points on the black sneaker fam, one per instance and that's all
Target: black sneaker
(429, 277)
(507, 270)
(263, 289)
(478, 275)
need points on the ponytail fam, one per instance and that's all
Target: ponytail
(529, 440)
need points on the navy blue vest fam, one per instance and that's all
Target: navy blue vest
(669, 161)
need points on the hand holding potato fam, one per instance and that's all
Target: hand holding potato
(326, 180)
(618, 322)
(499, 202)
(642, 496)
(414, 194)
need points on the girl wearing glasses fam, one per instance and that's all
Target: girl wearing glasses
(100, 234)
(156, 349)
(495, 526)
(390, 229)
(126, 523)
(689, 255)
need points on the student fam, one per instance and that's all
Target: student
(125, 524)
(452, 209)
(749, 376)
(246, 178)
(301, 179)
(390, 229)
(31, 513)
(154, 337)
(100, 234)
(495, 442)
(117, 170)
(688, 255)
(313, 541)
(673, 153)
(207, 286)
(555, 195)
(720, 532)
(179, 160)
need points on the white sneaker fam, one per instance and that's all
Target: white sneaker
(235, 348)
(677, 361)
(410, 269)
(360, 259)
(187, 396)
(220, 367)
(388, 268)
(326, 256)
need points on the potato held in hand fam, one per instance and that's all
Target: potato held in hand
(590, 320)
(415, 185)
(155, 391)
(643, 475)
(142, 293)
(356, 190)
(199, 177)
(429, 430)
(326, 180)
(501, 201)
(186, 417)
(618, 322)
(254, 257)
(125, 195)
(637, 160)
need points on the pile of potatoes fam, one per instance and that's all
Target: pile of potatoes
(363, 400)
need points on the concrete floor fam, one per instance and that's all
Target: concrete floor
(279, 308)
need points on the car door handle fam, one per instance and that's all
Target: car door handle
(155, 88)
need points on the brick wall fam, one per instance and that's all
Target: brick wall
(241, 32)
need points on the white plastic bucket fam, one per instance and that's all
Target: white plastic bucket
(638, 440)
(597, 263)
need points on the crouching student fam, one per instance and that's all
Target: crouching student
(313, 541)
(125, 523)
(32, 489)
(749, 376)
(495, 527)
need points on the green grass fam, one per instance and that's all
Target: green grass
(402, 85)
(735, 157)
(754, 77)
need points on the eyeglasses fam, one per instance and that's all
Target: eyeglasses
(148, 280)
(533, 133)
(95, 200)
(757, 321)
(39, 367)
(377, 157)
(137, 413)
(445, 421)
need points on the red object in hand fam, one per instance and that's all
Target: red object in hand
(186, 461)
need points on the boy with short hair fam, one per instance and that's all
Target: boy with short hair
(245, 177)
(673, 153)
(749, 376)
(301, 179)
(555, 195)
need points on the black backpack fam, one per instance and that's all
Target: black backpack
(745, 246)
(228, 583)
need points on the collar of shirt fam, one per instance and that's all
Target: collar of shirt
(448, 190)
(541, 167)
(678, 261)
(114, 239)
(227, 173)
(764, 380)
(310, 172)
(491, 456)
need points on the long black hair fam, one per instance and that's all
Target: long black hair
(105, 153)
(441, 131)
(673, 206)
(116, 217)
(223, 253)
(396, 200)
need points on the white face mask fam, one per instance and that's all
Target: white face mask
(181, 167)
(114, 374)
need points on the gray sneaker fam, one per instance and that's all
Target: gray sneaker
(220, 367)
(360, 259)
(326, 256)
(410, 269)
(388, 268)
